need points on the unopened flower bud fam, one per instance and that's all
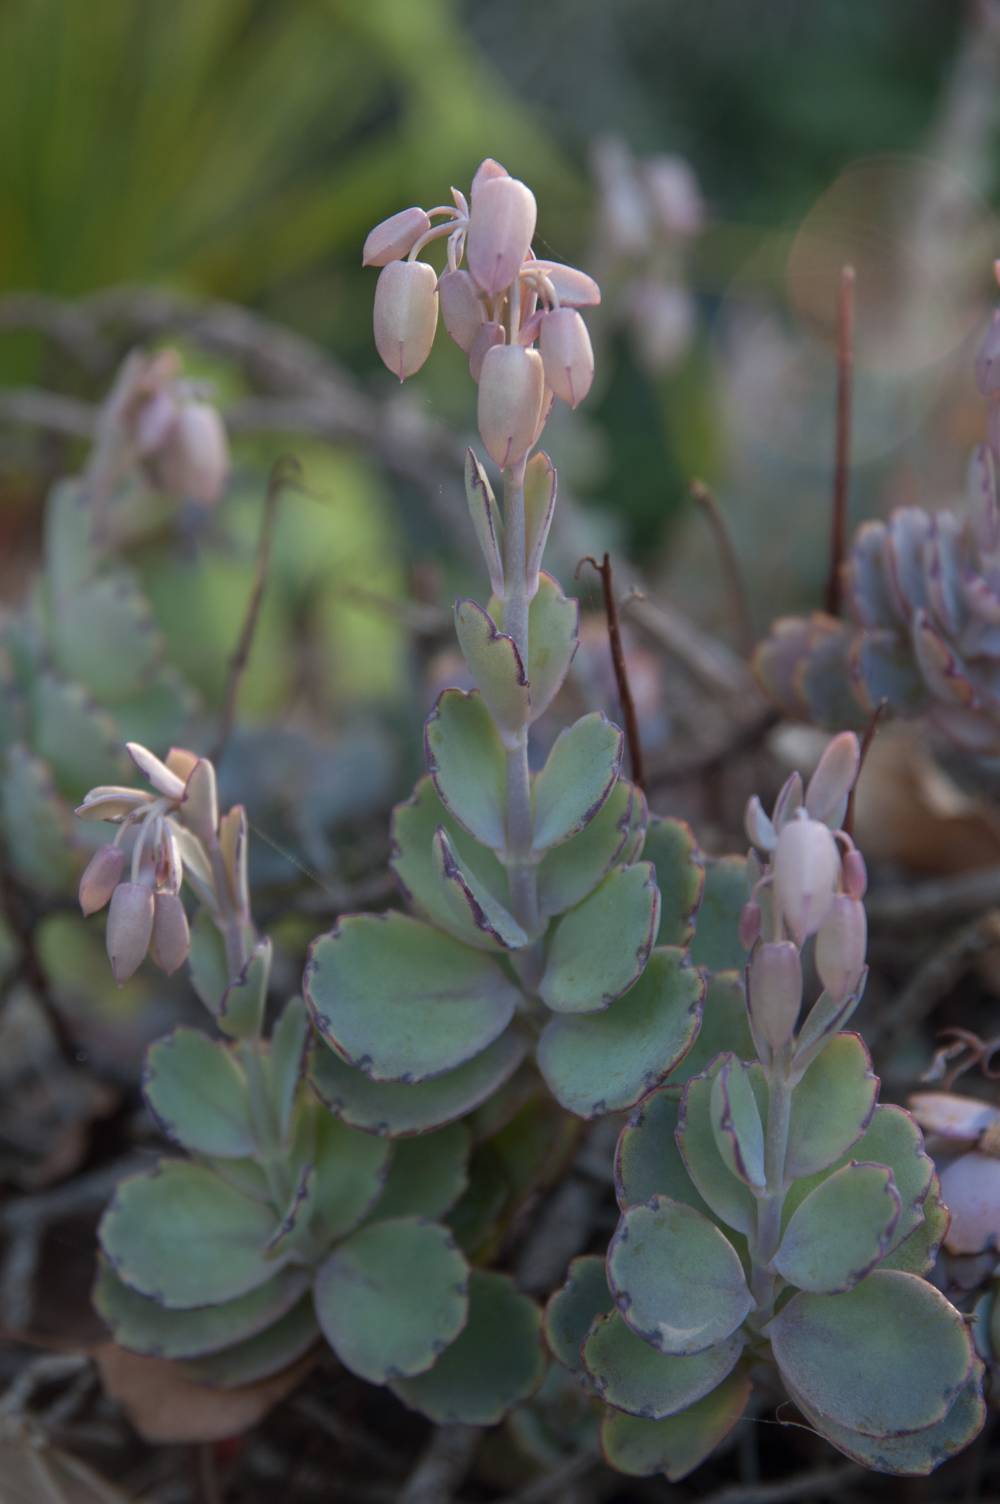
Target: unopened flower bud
(171, 938)
(511, 388)
(806, 869)
(750, 920)
(988, 359)
(662, 316)
(462, 311)
(489, 335)
(501, 224)
(567, 355)
(153, 421)
(573, 288)
(101, 877)
(130, 928)
(760, 831)
(405, 318)
(854, 874)
(774, 992)
(485, 172)
(840, 947)
(830, 786)
(390, 240)
(193, 460)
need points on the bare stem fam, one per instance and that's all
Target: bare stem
(767, 1234)
(842, 457)
(518, 857)
(629, 716)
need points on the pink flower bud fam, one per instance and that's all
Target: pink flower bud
(774, 992)
(192, 462)
(511, 387)
(101, 877)
(406, 309)
(675, 195)
(988, 359)
(854, 874)
(830, 785)
(485, 172)
(573, 288)
(806, 869)
(501, 224)
(130, 928)
(760, 831)
(750, 920)
(662, 316)
(840, 947)
(488, 336)
(461, 309)
(171, 938)
(390, 240)
(566, 352)
(153, 421)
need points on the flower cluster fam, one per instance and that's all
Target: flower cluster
(514, 315)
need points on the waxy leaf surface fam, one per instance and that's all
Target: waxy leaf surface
(840, 1231)
(466, 759)
(578, 776)
(599, 948)
(636, 1377)
(679, 1444)
(198, 1093)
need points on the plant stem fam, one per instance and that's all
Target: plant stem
(517, 855)
(767, 1234)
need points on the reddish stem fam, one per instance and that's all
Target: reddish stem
(618, 663)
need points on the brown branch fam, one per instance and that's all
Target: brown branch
(866, 742)
(736, 589)
(285, 472)
(618, 663)
(842, 454)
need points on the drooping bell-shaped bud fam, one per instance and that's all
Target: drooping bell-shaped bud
(153, 421)
(567, 355)
(830, 786)
(170, 944)
(462, 311)
(394, 237)
(573, 288)
(130, 928)
(101, 877)
(405, 318)
(806, 869)
(774, 993)
(511, 388)
(988, 359)
(485, 172)
(488, 336)
(840, 947)
(854, 873)
(192, 462)
(760, 831)
(501, 224)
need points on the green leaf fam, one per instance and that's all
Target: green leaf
(158, 713)
(35, 824)
(918, 1453)
(831, 1106)
(351, 1169)
(736, 1123)
(567, 873)
(716, 941)
(553, 635)
(70, 558)
(486, 518)
(241, 1010)
(402, 1001)
(198, 1093)
(726, 1196)
(496, 1362)
(392, 1297)
(572, 1309)
(724, 1027)
(477, 917)
(679, 1444)
(599, 948)
(145, 1326)
(466, 759)
(579, 774)
(103, 635)
(495, 666)
(539, 506)
(603, 1062)
(395, 1109)
(79, 741)
(183, 1237)
(426, 1174)
(884, 664)
(635, 1377)
(678, 1281)
(245, 1175)
(647, 1160)
(207, 962)
(918, 1251)
(841, 1230)
(680, 876)
(258, 1357)
(287, 1060)
(889, 1356)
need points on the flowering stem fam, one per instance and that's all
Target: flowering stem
(517, 855)
(767, 1234)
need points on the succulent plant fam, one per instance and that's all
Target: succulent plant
(923, 590)
(772, 1211)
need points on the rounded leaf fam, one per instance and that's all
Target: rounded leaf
(831, 1106)
(578, 776)
(680, 1443)
(736, 1122)
(466, 759)
(647, 1160)
(635, 1377)
(680, 876)
(599, 948)
(198, 1094)
(495, 665)
(724, 1027)
(841, 1230)
(477, 916)
(349, 1171)
(426, 1174)
(567, 873)
(716, 942)
(571, 1310)
(267, 1353)
(728, 1197)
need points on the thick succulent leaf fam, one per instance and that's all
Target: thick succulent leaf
(392, 1297)
(680, 876)
(725, 1195)
(144, 1326)
(825, 680)
(874, 605)
(70, 556)
(258, 1357)
(599, 948)
(79, 741)
(198, 1093)
(35, 824)
(918, 1251)
(679, 1444)
(637, 1378)
(841, 1230)
(572, 1309)
(918, 1453)
(207, 962)
(466, 759)
(159, 712)
(486, 518)
(567, 873)
(245, 1175)
(287, 1059)
(725, 1027)
(495, 666)
(183, 1237)
(647, 1160)
(678, 1281)
(885, 670)
(553, 635)
(104, 636)
(886, 1358)
(831, 1106)
(495, 1363)
(736, 1122)
(426, 1174)
(241, 1010)
(540, 486)
(579, 774)
(350, 1170)
(638, 825)
(414, 826)
(397, 1110)
(402, 1001)
(716, 941)
(477, 917)
(604, 1062)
